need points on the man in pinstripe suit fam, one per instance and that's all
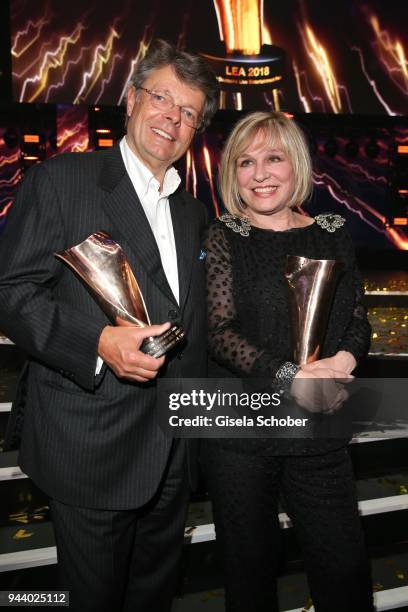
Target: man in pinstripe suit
(90, 438)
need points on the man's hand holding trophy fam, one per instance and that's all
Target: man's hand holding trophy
(135, 348)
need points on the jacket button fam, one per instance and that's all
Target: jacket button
(180, 356)
(172, 314)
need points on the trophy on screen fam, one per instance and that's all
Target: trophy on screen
(102, 265)
(246, 63)
(311, 284)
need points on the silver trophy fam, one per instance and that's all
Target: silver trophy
(102, 265)
(311, 284)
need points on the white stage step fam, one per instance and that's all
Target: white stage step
(392, 599)
(193, 535)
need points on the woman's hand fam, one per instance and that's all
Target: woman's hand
(342, 361)
(320, 389)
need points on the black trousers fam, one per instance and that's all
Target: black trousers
(125, 561)
(318, 494)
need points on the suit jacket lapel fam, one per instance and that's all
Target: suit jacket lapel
(123, 207)
(184, 239)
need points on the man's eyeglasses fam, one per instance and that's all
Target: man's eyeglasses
(164, 102)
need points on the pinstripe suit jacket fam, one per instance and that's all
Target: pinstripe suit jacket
(86, 440)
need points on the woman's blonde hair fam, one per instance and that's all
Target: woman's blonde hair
(279, 131)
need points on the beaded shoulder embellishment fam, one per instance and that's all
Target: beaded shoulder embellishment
(239, 225)
(330, 221)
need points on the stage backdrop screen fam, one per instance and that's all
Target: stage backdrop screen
(342, 56)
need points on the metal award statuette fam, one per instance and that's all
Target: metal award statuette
(100, 262)
(311, 284)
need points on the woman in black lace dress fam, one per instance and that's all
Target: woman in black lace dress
(265, 176)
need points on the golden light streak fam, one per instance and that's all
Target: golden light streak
(358, 168)
(225, 23)
(400, 241)
(370, 209)
(9, 160)
(240, 25)
(68, 65)
(393, 49)
(238, 100)
(223, 100)
(30, 65)
(106, 80)
(80, 146)
(66, 135)
(143, 47)
(275, 96)
(39, 25)
(321, 61)
(334, 188)
(194, 176)
(266, 35)
(3, 213)
(219, 22)
(372, 83)
(72, 129)
(207, 163)
(13, 180)
(188, 169)
(51, 60)
(190, 172)
(102, 56)
(301, 95)
(400, 53)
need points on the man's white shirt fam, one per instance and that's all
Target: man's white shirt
(156, 206)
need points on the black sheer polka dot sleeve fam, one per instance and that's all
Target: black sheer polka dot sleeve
(228, 346)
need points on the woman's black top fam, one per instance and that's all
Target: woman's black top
(248, 314)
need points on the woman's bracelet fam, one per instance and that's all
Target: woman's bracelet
(286, 373)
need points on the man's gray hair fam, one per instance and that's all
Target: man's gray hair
(189, 67)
